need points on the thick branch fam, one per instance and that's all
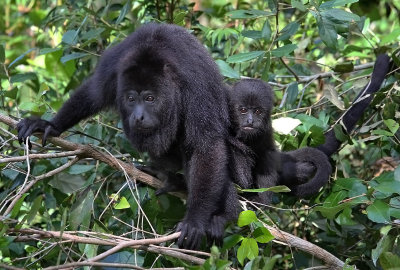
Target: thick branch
(88, 151)
(293, 241)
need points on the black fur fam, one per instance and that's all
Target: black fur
(361, 102)
(304, 171)
(187, 123)
(251, 102)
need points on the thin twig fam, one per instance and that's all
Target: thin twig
(35, 180)
(41, 156)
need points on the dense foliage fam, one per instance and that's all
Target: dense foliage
(47, 48)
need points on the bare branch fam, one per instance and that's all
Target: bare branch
(98, 264)
(41, 156)
(143, 244)
(88, 151)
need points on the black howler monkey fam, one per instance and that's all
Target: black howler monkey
(173, 105)
(251, 99)
(251, 102)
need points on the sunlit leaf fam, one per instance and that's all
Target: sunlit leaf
(285, 125)
(246, 217)
(263, 235)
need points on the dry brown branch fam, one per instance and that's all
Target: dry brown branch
(78, 264)
(295, 242)
(41, 156)
(143, 244)
(86, 151)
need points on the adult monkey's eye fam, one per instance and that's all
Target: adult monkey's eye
(131, 99)
(243, 110)
(257, 111)
(150, 98)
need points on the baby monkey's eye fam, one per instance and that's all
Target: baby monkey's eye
(243, 110)
(257, 111)
(150, 98)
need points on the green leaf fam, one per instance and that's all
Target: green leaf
(389, 261)
(48, 50)
(327, 32)
(388, 188)
(29, 106)
(2, 54)
(284, 50)
(122, 204)
(242, 252)
(263, 235)
(332, 95)
(344, 67)
(231, 241)
(11, 93)
(299, 5)
(246, 217)
(226, 70)
(92, 34)
(385, 244)
(80, 169)
(123, 12)
(70, 37)
(179, 18)
(378, 212)
(336, 3)
(265, 74)
(81, 209)
(339, 15)
(392, 125)
(251, 34)
(292, 93)
(248, 249)
(345, 219)
(382, 132)
(37, 203)
(67, 183)
(288, 31)
(395, 207)
(243, 57)
(17, 206)
(72, 56)
(340, 133)
(248, 14)
(23, 77)
(266, 30)
(391, 37)
(330, 212)
(397, 174)
(20, 57)
(252, 249)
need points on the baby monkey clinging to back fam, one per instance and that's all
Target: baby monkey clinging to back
(251, 103)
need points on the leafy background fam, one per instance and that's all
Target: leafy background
(47, 48)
